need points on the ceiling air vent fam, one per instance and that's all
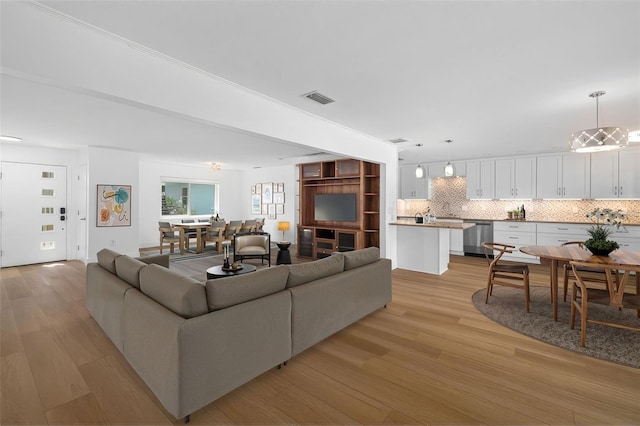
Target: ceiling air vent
(318, 97)
(398, 140)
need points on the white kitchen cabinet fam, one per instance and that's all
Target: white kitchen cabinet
(563, 176)
(436, 170)
(518, 234)
(615, 174)
(516, 178)
(481, 179)
(456, 240)
(556, 234)
(628, 237)
(411, 187)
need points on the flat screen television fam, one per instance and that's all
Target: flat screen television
(335, 207)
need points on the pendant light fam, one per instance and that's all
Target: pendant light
(419, 172)
(600, 138)
(448, 169)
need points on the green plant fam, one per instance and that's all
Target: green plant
(599, 233)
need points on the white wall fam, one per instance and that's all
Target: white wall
(106, 167)
(286, 175)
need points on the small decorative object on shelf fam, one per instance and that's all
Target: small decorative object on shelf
(598, 244)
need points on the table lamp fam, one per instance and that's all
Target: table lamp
(283, 226)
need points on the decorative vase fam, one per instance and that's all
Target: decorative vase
(600, 251)
(600, 247)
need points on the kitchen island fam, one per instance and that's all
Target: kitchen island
(424, 247)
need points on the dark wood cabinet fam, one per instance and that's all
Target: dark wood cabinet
(320, 238)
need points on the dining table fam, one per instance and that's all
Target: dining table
(566, 254)
(199, 227)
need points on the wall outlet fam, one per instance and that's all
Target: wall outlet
(112, 243)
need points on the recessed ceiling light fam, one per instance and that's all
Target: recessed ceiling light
(10, 138)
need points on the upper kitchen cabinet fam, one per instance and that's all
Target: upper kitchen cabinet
(410, 187)
(516, 178)
(615, 174)
(563, 176)
(436, 170)
(481, 179)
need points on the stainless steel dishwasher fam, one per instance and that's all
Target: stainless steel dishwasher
(474, 237)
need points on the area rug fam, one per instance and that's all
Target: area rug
(506, 307)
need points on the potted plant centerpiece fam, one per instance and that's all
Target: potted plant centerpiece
(598, 244)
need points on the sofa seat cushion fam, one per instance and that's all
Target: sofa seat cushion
(304, 272)
(225, 292)
(128, 269)
(182, 295)
(107, 259)
(357, 258)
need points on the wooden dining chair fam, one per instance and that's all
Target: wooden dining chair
(170, 235)
(614, 295)
(506, 274)
(589, 275)
(215, 234)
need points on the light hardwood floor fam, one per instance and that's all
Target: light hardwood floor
(428, 358)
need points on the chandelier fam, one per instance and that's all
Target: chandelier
(599, 138)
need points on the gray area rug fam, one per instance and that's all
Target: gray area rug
(506, 307)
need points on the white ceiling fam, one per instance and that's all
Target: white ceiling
(497, 77)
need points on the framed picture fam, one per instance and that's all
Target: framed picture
(278, 197)
(279, 208)
(267, 193)
(265, 209)
(114, 205)
(253, 189)
(256, 204)
(281, 187)
(272, 211)
(258, 188)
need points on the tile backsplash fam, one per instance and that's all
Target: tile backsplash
(449, 198)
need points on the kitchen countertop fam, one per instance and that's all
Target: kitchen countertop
(436, 224)
(401, 218)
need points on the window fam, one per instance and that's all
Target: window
(189, 198)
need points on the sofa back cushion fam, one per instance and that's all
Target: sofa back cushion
(357, 258)
(225, 292)
(128, 269)
(107, 259)
(304, 272)
(182, 295)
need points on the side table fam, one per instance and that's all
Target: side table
(284, 256)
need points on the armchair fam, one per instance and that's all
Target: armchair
(253, 247)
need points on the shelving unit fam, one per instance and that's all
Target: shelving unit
(319, 239)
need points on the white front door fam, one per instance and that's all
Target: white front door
(34, 216)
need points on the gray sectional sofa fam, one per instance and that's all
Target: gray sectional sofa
(192, 342)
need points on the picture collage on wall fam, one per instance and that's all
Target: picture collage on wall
(267, 199)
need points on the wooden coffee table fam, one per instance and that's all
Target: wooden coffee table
(217, 272)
